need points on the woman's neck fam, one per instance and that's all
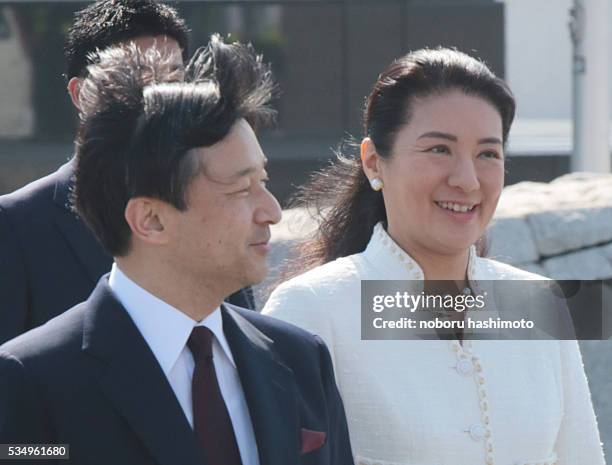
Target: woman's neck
(443, 267)
(438, 266)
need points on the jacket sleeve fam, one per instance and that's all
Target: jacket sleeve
(578, 440)
(22, 416)
(339, 441)
(13, 282)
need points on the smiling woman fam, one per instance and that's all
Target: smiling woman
(434, 113)
(446, 169)
(412, 205)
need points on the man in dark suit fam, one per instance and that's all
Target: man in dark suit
(51, 260)
(154, 368)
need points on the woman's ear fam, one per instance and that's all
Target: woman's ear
(370, 160)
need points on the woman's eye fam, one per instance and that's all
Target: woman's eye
(439, 149)
(490, 154)
(264, 182)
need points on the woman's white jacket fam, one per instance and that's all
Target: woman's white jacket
(437, 402)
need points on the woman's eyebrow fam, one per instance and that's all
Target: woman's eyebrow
(439, 135)
(490, 140)
(453, 138)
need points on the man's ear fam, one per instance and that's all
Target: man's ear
(370, 160)
(74, 88)
(146, 218)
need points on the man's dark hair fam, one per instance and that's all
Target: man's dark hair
(136, 132)
(108, 22)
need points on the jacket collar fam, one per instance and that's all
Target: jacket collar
(393, 263)
(269, 387)
(79, 238)
(64, 183)
(133, 381)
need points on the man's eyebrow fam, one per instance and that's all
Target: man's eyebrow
(249, 170)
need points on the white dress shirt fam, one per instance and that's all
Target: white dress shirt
(166, 331)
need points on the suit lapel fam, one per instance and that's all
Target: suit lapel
(135, 383)
(269, 388)
(79, 238)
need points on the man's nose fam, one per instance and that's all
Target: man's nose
(269, 212)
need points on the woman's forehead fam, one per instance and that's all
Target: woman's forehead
(454, 113)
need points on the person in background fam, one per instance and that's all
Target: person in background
(51, 260)
(412, 205)
(154, 367)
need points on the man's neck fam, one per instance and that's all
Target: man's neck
(196, 300)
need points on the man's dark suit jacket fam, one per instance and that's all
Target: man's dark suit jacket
(49, 259)
(87, 378)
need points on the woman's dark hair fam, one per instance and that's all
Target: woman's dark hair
(340, 196)
(137, 128)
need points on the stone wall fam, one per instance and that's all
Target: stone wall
(561, 229)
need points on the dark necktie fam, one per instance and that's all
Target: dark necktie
(211, 420)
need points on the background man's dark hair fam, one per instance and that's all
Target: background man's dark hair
(108, 22)
(136, 132)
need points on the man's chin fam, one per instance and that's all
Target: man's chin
(256, 275)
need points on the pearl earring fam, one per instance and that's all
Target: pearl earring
(376, 184)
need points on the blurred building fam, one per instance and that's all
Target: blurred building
(325, 55)
(539, 70)
(16, 111)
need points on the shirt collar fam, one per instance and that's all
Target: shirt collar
(165, 328)
(214, 322)
(394, 263)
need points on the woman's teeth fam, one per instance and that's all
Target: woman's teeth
(455, 207)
